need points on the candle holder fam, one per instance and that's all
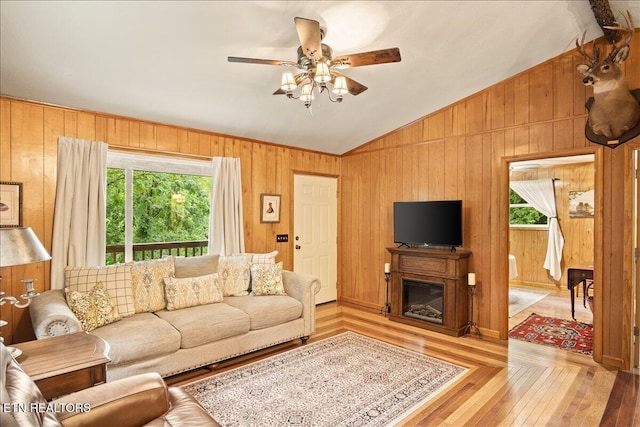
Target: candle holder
(387, 304)
(472, 325)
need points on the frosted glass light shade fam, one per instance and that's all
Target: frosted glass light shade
(288, 82)
(306, 95)
(340, 86)
(322, 73)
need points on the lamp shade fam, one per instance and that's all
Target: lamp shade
(322, 73)
(288, 82)
(20, 246)
(340, 86)
(307, 93)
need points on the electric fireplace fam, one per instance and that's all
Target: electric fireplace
(428, 289)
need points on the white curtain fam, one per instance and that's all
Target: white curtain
(541, 195)
(79, 231)
(226, 227)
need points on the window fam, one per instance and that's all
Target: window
(156, 206)
(522, 214)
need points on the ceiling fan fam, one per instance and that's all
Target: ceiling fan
(318, 69)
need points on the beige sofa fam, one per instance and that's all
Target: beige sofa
(173, 341)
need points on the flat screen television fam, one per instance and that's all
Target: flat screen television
(428, 223)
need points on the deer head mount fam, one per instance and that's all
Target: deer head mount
(614, 110)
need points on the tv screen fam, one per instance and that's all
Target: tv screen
(436, 223)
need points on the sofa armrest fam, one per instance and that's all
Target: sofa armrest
(51, 316)
(131, 401)
(304, 288)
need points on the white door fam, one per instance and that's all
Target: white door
(315, 230)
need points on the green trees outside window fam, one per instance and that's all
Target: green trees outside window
(523, 214)
(166, 207)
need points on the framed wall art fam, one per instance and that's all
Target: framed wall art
(581, 204)
(10, 204)
(269, 208)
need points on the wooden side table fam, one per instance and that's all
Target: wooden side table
(64, 364)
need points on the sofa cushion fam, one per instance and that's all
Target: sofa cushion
(204, 324)
(196, 266)
(115, 278)
(94, 308)
(148, 285)
(267, 311)
(192, 291)
(141, 336)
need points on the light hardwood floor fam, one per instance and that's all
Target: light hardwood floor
(519, 384)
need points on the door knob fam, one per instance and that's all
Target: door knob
(298, 246)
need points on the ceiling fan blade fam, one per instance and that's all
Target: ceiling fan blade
(382, 56)
(309, 35)
(261, 61)
(353, 86)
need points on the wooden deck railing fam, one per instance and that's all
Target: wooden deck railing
(144, 251)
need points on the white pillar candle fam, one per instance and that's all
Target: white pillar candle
(472, 279)
(387, 267)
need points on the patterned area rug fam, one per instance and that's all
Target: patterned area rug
(345, 380)
(564, 334)
(520, 298)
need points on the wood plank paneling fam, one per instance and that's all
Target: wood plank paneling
(538, 113)
(29, 132)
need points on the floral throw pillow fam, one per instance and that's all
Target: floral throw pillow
(192, 291)
(93, 308)
(235, 274)
(147, 281)
(267, 279)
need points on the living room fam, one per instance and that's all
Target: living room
(467, 146)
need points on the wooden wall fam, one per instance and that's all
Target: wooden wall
(460, 152)
(28, 154)
(463, 152)
(529, 246)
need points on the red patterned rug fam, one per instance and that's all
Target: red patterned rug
(559, 333)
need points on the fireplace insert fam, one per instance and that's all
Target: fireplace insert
(423, 300)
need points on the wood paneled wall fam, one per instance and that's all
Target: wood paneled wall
(463, 152)
(28, 154)
(529, 246)
(459, 152)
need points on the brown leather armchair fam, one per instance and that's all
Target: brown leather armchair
(140, 400)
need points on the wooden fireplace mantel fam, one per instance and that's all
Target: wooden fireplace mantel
(436, 266)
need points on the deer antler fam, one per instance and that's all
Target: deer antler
(596, 52)
(626, 29)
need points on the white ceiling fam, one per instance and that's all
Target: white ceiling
(167, 61)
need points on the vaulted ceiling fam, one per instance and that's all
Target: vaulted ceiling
(167, 61)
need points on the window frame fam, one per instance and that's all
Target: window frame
(149, 163)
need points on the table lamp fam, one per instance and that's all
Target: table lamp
(20, 246)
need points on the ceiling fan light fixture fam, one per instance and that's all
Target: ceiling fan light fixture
(288, 82)
(306, 94)
(322, 73)
(340, 86)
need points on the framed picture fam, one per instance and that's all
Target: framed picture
(581, 204)
(10, 204)
(269, 208)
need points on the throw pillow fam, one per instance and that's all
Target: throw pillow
(116, 280)
(93, 308)
(266, 258)
(235, 274)
(267, 279)
(192, 291)
(147, 282)
(196, 266)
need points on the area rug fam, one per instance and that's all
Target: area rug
(345, 380)
(520, 298)
(559, 333)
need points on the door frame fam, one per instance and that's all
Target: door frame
(503, 251)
